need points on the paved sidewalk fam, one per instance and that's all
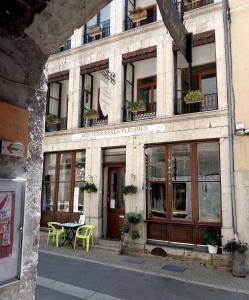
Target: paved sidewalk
(148, 264)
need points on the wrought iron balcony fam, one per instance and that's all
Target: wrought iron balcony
(95, 122)
(209, 102)
(149, 113)
(60, 124)
(105, 32)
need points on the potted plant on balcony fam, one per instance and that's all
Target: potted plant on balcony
(212, 238)
(89, 187)
(94, 30)
(138, 14)
(52, 119)
(91, 114)
(238, 251)
(193, 97)
(136, 106)
(129, 189)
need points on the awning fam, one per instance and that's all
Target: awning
(95, 66)
(59, 76)
(201, 39)
(140, 54)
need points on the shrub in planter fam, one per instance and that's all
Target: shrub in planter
(134, 218)
(90, 114)
(124, 228)
(89, 187)
(51, 119)
(136, 106)
(129, 189)
(193, 96)
(212, 238)
(238, 250)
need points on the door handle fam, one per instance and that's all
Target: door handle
(122, 217)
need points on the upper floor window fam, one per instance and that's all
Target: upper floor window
(64, 47)
(139, 13)
(98, 27)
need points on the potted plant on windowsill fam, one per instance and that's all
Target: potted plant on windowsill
(138, 14)
(129, 189)
(91, 114)
(238, 251)
(52, 119)
(136, 106)
(212, 238)
(193, 97)
(89, 187)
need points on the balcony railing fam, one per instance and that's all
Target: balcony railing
(95, 122)
(105, 32)
(64, 47)
(149, 113)
(151, 17)
(190, 5)
(61, 125)
(209, 102)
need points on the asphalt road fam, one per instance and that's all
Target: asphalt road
(63, 278)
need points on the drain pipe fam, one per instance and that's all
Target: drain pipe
(230, 105)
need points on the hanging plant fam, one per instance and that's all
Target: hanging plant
(90, 114)
(193, 96)
(89, 187)
(136, 106)
(134, 218)
(129, 189)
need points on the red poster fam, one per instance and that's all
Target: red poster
(7, 209)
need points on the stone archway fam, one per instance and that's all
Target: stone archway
(29, 31)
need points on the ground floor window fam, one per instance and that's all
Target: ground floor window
(63, 175)
(183, 182)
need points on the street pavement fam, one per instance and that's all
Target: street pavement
(63, 278)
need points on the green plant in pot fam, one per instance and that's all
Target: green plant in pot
(129, 189)
(212, 238)
(136, 106)
(135, 234)
(193, 96)
(90, 114)
(51, 119)
(238, 251)
(134, 218)
(89, 187)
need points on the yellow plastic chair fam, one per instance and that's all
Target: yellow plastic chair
(84, 233)
(54, 232)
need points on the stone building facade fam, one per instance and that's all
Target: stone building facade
(176, 153)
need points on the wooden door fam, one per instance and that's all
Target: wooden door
(115, 201)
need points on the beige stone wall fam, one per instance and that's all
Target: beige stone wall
(239, 10)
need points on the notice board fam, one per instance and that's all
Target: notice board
(12, 193)
(14, 124)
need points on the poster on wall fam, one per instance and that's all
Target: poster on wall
(7, 210)
(11, 221)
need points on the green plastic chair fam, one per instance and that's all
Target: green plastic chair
(84, 233)
(55, 233)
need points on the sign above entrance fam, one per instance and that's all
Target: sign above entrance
(177, 30)
(119, 132)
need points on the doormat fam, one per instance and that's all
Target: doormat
(134, 260)
(174, 268)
